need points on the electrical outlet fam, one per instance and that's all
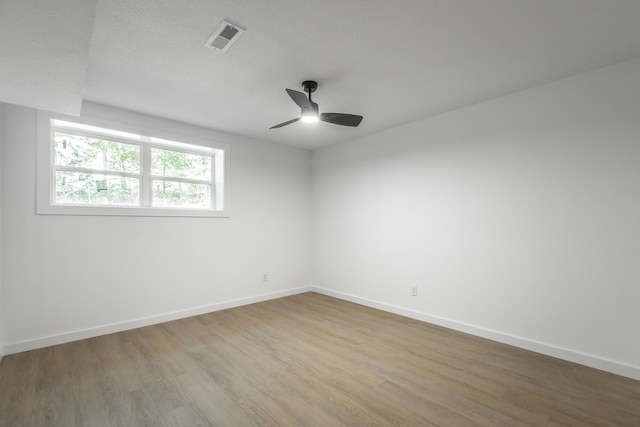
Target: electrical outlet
(414, 291)
(265, 277)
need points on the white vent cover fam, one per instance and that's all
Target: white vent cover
(224, 36)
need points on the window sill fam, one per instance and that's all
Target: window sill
(128, 211)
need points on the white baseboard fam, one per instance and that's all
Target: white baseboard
(538, 347)
(17, 347)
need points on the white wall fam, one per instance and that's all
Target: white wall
(518, 218)
(66, 277)
(1, 275)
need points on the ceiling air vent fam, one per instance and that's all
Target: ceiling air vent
(224, 36)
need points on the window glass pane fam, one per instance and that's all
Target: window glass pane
(175, 164)
(95, 189)
(83, 152)
(174, 194)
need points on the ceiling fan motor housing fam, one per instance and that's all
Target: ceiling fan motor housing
(309, 86)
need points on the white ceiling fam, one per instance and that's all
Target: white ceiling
(391, 61)
(44, 52)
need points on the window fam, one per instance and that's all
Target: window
(89, 169)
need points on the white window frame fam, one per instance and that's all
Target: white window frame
(148, 139)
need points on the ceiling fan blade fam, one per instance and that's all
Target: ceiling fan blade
(341, 119)
(300, 99)
(285, 123)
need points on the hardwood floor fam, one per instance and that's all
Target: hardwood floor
(305, 360)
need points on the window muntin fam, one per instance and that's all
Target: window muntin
(95, 170)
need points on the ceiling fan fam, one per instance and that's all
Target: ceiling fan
(309, 109)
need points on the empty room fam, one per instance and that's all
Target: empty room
(319, 213)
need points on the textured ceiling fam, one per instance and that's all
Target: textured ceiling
(44, 52)
(391, 61)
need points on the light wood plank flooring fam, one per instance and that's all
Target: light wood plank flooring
(305, 360)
